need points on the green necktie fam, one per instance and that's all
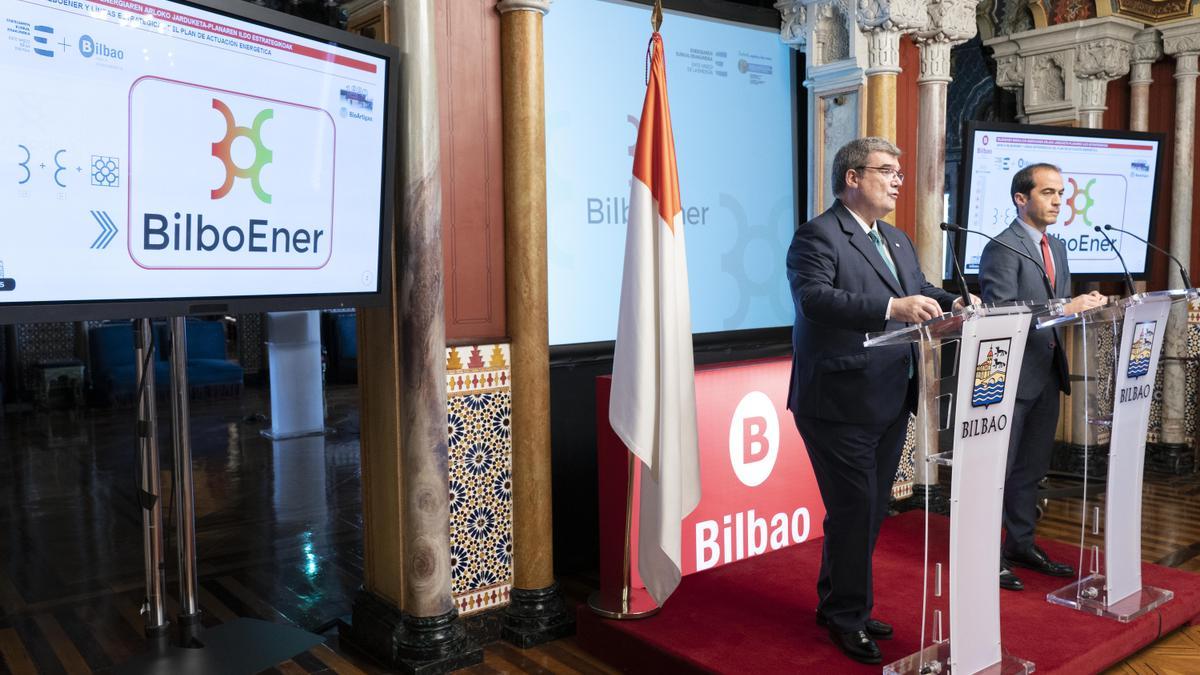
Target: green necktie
(883, 253)
(873, 233)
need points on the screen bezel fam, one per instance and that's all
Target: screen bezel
(89, 310)
(767, 337)
(972, 127)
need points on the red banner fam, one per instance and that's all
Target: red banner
(758, 492)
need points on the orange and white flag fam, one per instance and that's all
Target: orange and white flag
(653, 403)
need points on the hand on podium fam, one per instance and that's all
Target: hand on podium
(915, 309)
(958, 303)
(1085, 302)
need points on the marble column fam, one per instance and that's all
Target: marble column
(883, 22)
(1147, 48)
(931, 156)
(930, 186)
(882, 72)
(536, 612)
(1181, 41)
(1097, 62)
(405, 615)
(949, 23)
(1093, 91)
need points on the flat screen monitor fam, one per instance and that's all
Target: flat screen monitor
(1109, 178)
(732, 88)
(166, 158)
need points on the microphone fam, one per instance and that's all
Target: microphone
(1187, 282)
(951, 227)
(963, 291)
(1120, 258)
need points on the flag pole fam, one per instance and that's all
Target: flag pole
(627, 602)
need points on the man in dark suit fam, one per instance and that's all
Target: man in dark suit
(1005, 276)
(851, 274)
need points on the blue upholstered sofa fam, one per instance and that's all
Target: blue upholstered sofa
(113, 369)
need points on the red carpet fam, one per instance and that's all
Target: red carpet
(756, 616)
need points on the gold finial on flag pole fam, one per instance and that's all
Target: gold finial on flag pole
(656, 15)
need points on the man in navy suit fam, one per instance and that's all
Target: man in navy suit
(851, 274)
(1006, 276)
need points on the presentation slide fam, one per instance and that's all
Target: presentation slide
(1106, 181)
(158, 151)
(731, 95)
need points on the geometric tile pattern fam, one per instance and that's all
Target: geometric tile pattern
(902, 487)
(39, 342)
(1191, 414)
(1154, 427)
(1104, 380)
(477, 368)
(1191, 383)
(250, 343)
(479, 428)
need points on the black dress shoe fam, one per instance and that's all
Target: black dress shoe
(857, 645)
(1035, 558)
(875, 628)
(879, 629)
(1008, 580)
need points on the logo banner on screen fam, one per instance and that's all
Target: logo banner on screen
(241, 193)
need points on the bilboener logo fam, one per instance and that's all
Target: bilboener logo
(754, 439)
(223, 150)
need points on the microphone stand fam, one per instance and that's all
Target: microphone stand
(1120, 258)
(964, 292)
(1187, 281)
(951, 227)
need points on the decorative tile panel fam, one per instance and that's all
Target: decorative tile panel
(1191, 384)
(902, 488)
(479, 433)
(250, 344)
(1192, 377)
(40, 342)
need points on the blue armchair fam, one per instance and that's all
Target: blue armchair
(210, 374)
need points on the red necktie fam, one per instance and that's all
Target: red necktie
(1048, 260)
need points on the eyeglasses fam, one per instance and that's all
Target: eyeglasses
(889, 172)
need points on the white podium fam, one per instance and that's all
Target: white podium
(978, 352)
(1113, 587)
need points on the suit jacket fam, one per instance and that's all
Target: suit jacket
(1005, 276)
(840, 288)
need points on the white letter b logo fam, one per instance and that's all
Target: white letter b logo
(754, 439)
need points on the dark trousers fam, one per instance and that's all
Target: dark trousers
(855, 466)
(1029, 447)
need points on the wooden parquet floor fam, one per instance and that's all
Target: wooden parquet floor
(279, 539)
(1170, 537)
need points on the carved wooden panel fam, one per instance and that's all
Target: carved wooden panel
(906, 133)
(468, 47)
(468, 55)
